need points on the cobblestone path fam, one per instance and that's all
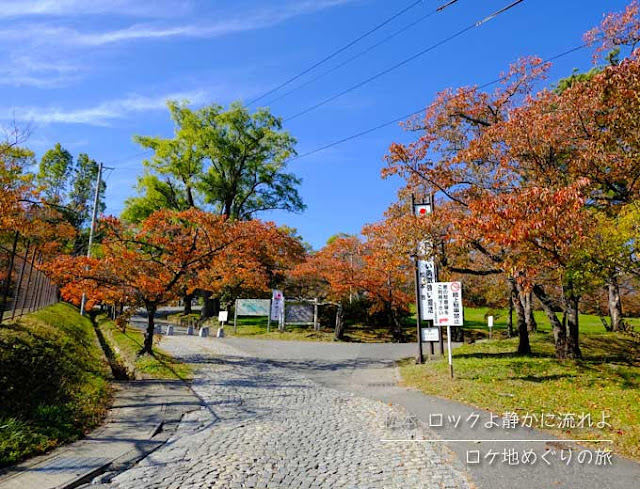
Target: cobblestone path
(267, 426)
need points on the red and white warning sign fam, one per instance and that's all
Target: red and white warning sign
(422, 209)
(448, 304)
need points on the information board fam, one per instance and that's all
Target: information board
(430, 334)
(252, 307)
(426, 277)
(299, 314)
(448, 304)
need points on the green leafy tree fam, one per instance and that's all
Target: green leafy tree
(53, 173)
(231, 160)
(82, 187)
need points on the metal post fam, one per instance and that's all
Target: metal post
(435, 273)
(449, 350)
(418, 305)
(281, 319)
(7, 283)
(316, 325)
(269, 316)
(24, 299)
(33, 303)
(235, 317)
(93, 226)
(17, 294)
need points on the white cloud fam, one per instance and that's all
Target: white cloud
(101, 114)
(45, 33)
(56, 52)
(139, 8)
(26, 70)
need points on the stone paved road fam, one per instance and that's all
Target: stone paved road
(268, 426)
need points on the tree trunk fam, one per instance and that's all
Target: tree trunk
(339, 331)
(457, 334)
(396, 327)
(527, 301)
(188, 298)
(510, 332)
(615, 305)
(559, 331)
(571, 313)
(190, 201)
(210, 306)
(524, 347)
(148, 336)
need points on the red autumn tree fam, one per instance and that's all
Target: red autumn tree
(332, 274)
(152, 264)
(436, 162)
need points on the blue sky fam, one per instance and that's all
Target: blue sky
(92, 73)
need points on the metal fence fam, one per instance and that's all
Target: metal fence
(24, 288)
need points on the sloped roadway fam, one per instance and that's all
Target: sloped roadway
(280, 414)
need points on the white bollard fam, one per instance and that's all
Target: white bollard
(204, 332)
(190, 330)
(170, 330)
(220, 333)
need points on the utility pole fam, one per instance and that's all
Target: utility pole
(94, 215)
(418, 298)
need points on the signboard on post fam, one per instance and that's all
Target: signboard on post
(223, 316)
(299, 314)
(448, 304)
(448, 309)
(430, 334)
(277, 305)
(426, 277)
(252, 307)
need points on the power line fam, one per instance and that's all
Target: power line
(366, 51)
(412, 114)
(335, 53)
(130, 157)
(405, 61)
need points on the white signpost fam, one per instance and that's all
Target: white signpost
(490, 324)
(448, 310)
(223, 316)
(277, 308)
(426, 277)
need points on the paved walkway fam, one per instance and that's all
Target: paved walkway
(133, 429)
(267, 425)
(276, 414)
(368, 370)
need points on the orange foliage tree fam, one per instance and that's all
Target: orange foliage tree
(374, 269)
(151, 265)
(522, 179)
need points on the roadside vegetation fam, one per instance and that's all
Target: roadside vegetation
(54, 382)
(489, 375)
(475, 328)
(124, 348)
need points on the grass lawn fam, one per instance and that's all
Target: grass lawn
(355, 333)
(489, 375)
(54, 382)
(475, 325)
(474, 318)
(125, 346)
